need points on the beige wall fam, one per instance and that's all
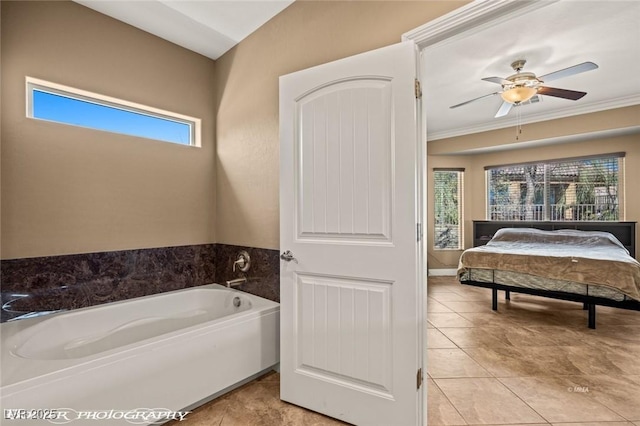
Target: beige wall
(307, 33)
(450, 153)
(67, 189)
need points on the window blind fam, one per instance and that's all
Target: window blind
(582, 189)
(448, 230)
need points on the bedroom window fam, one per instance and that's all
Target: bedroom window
(448, 187)
(579, 189)
(67, 105)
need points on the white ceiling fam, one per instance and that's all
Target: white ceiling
(556, 35)
(209, 27)
(552, 37)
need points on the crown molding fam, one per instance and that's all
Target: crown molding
(536, 118)
(472, 17)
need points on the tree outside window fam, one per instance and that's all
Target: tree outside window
(448, 206)
(576, 190)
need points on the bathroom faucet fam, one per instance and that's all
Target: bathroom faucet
(240, 262)
(236, 282)
(243, 262)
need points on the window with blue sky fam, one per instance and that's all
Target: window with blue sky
(60, 104)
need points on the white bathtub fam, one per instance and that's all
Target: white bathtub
(171, 350)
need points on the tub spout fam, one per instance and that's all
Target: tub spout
(236, 282)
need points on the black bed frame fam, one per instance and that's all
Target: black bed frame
(483, 231)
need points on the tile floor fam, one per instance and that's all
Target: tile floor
(532, 362)
(255, 404)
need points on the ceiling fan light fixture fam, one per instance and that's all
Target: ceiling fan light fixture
(518, 94)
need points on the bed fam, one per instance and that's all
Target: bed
(581, 262)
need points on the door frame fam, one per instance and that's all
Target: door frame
(470, 18)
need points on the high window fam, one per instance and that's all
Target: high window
(68, 105)
(448, 186)
(583, 189)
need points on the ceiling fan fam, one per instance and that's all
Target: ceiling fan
(524, 87)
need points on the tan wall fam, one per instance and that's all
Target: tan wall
(307, 33)
(475, 191)
(67, 189)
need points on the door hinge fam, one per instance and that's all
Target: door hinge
(419, 378)
(418, 89)
(419, 232)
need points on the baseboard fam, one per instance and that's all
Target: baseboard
(442, 272)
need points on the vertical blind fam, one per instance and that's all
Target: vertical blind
(448, 231)
(582, 189)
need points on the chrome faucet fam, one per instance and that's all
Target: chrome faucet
(236, 282)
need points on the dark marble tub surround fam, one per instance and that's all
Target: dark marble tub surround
(74, 281)
(263, 277)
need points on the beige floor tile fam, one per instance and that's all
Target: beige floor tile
(470, 291)
(446, 296)
(434, 290)
(560, 399)
(471, 337)
(444, 319)
(615, 335)
(486, 401)
(493, 318)
(533, 318)
(459, 294)
(469, 306)
(595, 424)
(435, 306)
(565, 336)
(429, 325)
(519, 336)
(614, 360)
(617, 317)
(619, 393)
(634, 378)
(511, 361)
(448, 363)
(439, 409)
(437, 340)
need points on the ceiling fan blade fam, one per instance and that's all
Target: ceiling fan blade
(473, 100)
(504, 109)
(497, 80)
(576, 69)
(561, 93)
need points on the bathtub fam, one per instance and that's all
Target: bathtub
(169, 351)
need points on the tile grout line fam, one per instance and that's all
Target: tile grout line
(499, 381)
(449, 401)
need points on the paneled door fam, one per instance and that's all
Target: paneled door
(350, 205)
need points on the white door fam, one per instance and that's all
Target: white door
(351, 306)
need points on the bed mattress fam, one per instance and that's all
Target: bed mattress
(580, 262)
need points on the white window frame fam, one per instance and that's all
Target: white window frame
(195, 124)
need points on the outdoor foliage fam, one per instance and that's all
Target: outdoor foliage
(447, 211)
(574, 190)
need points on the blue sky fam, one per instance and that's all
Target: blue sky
(48, 106)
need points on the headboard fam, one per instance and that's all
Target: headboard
(483, 230)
